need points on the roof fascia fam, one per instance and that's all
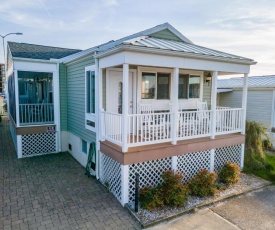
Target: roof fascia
(168, 52)
(52, 61)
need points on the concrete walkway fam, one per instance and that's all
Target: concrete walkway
(52, 192)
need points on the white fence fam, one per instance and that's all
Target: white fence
(151, 128)
(36, 113)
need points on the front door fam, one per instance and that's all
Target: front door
(114, 92)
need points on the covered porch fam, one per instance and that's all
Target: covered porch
(147, 104)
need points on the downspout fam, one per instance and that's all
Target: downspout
(98, 93)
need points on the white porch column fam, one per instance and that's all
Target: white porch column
(16, 98)
(175, 163)
(214, 103)
(125, 103)
(244, 101)
(175, 100)
(124, 184)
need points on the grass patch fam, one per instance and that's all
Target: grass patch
(268, 172)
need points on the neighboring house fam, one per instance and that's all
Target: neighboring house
(137, 99)
(2, 78)
(260, 99)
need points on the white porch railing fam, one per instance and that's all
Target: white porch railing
(112, 127)
(151, 128)
(36, 113)
(229, 120)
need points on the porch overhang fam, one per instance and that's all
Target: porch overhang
(171, 59)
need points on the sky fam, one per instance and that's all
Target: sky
(241, 27)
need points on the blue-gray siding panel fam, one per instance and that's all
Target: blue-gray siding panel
(76, 100)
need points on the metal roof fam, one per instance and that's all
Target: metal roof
(157, 43)
(112, 43)
(24, 50)
(256, 81)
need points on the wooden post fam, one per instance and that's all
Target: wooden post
(214, 104)
(125, 102)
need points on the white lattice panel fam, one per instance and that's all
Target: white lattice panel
(227, 154)
(189, 164)
(38, 144)
(13, 135)
(149, 174)
(111, 175)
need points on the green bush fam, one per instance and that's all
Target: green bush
(174, 192)
(254, 152)
(5, 107)
(230, 173)
(266, 144)
(150, 198)
(203, 184)
(171, 192)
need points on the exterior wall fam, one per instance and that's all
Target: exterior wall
(63, 97)
(76, 147)
(165, 34)
(259, 104)
(76, 109)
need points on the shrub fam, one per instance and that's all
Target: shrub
(203, 184)
(266, 144)
(230, 173)
(174, 192)
(254, 154)
(150, 198)
(5, 107)
(171, 192)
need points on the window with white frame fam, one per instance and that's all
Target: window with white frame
(90, 81)
(155, 86)
(189, 86)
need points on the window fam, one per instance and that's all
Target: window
(90, 91)
(189, 86)
(84, 146)
(183, 86)
(90, 109)
(194, 86)
(155, 86)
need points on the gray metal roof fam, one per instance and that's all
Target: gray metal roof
(157, 43)
(24, 50)
(257, 81)
(112, 43)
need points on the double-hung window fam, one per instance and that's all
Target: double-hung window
(90, 110)
(189, 86)
(155, 86)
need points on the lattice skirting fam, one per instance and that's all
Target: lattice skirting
(13, 135)
(150, 171)
(227, 154)
(110, 175)
(38, 144)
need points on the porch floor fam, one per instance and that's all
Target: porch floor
(167, 149)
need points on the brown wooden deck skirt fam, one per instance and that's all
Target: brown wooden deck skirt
(163, 150)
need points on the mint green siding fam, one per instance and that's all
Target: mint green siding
(166, 34)
(76, 99)
(63, 97)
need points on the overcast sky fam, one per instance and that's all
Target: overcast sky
(240, 27)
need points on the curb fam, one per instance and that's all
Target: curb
(194, 208)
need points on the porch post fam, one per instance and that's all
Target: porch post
(124, 184)
(175, 100)
(17, 110)
(244, 100)
(214, 104)
(125, 103)
(98, 92)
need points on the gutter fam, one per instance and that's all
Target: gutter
(124, 47)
